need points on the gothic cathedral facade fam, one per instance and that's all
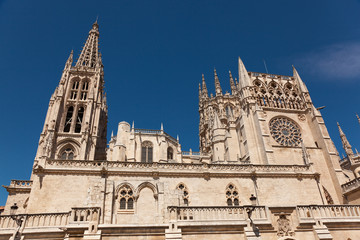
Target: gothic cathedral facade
(266, 169)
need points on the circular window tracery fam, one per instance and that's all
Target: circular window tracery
(285, 132)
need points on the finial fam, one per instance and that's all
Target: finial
(218, 91)
(358, 118)
(162, 127)
(112, 133)
(232, 84)
(177, 137)
(204, 88)
(133, 125)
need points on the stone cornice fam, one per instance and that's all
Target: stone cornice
(157, 170)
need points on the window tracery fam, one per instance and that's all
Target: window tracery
(68, 119)
(126, 198)
(232, 195)
(184, 192)
(285, 132)
(147, 152)
(67, 154)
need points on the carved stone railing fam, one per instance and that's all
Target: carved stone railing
(85, 215)
(19, 186)
(351, 186)
(21, 183)
(147, 131)
(217, 214)
(328, 213)
(75, 216)
(189, 153)
(36, 220)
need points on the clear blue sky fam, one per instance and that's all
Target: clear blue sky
(154, 53)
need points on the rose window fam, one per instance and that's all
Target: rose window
(285, 132)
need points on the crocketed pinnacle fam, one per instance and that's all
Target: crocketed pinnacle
(218, 90)
(204, 89)
(232, 84)
(89, 56)
(346, 145)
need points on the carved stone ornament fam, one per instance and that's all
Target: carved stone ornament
(285, 132)
(284, 227)
(302, 117)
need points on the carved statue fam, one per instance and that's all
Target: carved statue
(284, 227)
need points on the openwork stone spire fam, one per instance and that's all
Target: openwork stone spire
(90, 54)
(204, 89)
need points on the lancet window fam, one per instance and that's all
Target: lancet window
(84, 90)
(74, 90)
(147, 152)
(170, 153)
(184, 193)
(232, 195)
(79, 120)
(126, 196)
(68, 119)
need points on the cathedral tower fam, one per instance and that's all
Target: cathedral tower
(267, 120)
(75, 124)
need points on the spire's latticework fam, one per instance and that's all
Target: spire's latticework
(346, 145)
(218, 90)
(89, 56)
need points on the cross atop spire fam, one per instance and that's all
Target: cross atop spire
(89, 56)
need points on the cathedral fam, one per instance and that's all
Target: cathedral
(266, 167)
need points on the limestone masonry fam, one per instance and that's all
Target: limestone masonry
(264, 140)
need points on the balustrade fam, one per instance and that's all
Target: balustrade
(216, 213)
(83, 215)
(328, 212)
(352, 185)
(77, 215)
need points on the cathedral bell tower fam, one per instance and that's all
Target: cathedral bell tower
(75, 124)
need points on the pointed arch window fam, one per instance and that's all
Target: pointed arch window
(170, 153)
(74, 90)
(232, 195)
(84, 90)
(147, 152)
(67, 154)
(68, 119)
(184, 193)
(126, 196)
(79, 120)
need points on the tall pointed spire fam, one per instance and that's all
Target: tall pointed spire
(204, 89)
(70, 60)
(232, 84)
(301, 84)
(89, 56)
(218, 91)
(244, 79)
(346, 145)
